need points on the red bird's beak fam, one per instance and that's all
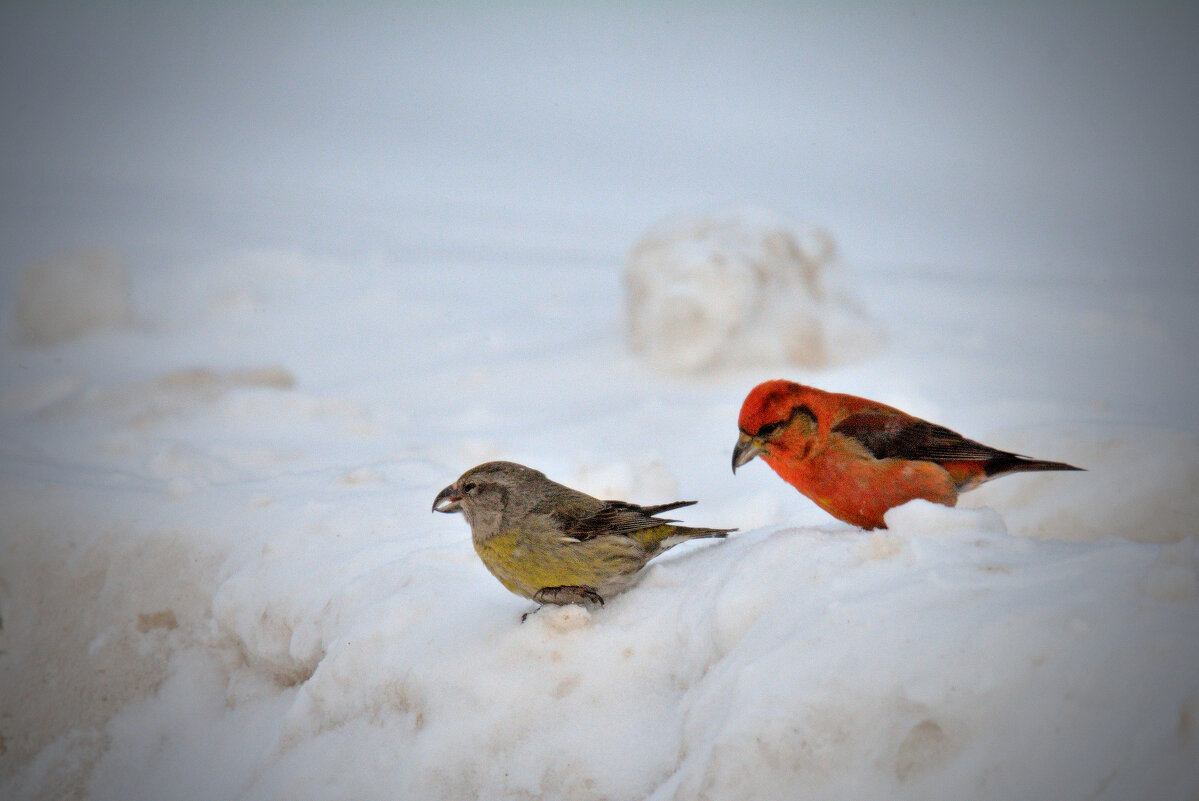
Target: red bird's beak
(448, 501)
(745, 450)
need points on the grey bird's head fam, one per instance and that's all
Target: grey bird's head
(489, 493)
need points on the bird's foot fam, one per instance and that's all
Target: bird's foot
(568, 594)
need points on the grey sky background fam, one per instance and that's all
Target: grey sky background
(1005, 138)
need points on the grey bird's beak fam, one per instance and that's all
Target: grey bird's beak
(745, 450)
(448, 501)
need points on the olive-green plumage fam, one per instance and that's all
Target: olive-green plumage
(553, 544)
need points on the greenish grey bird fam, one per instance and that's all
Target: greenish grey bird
(556, 545)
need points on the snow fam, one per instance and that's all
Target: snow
(735, 287)
(250, 598)
(70, 296)
(220, 577)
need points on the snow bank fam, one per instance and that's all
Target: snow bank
(221, 578)
(739, 288)
(788, 662)
(90, 619)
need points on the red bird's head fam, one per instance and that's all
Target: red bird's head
(775, 416)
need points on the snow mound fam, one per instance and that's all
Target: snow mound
(71, 296)
(737, 288)
(169, 396)
(93, 611)
(221, 577)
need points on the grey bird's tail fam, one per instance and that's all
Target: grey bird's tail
(683, 533)
(657, 534)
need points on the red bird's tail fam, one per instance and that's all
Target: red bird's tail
(1011, 463)
(969, 473)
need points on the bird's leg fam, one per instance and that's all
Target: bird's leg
(568, 594)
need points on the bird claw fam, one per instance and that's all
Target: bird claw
(568, 594)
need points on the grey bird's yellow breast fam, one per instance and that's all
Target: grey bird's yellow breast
(530, 557)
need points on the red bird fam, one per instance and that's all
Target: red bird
(857, 458)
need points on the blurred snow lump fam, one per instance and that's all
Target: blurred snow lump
(739, 287)
(70, 296)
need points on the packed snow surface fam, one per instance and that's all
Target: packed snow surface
(222, 578)
(272, 276)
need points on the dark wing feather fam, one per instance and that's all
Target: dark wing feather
(890, 436)
(612, 518)
(655, 510)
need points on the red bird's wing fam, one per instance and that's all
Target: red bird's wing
(892, 436)
(895, 435)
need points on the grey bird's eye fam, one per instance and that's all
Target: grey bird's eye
(470, 487)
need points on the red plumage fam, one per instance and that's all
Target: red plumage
(857, 458)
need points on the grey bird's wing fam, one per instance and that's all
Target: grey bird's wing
(583, 517)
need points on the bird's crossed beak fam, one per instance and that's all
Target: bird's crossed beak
(449, 500)
(746, 449)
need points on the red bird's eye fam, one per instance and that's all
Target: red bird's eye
(770, 429)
